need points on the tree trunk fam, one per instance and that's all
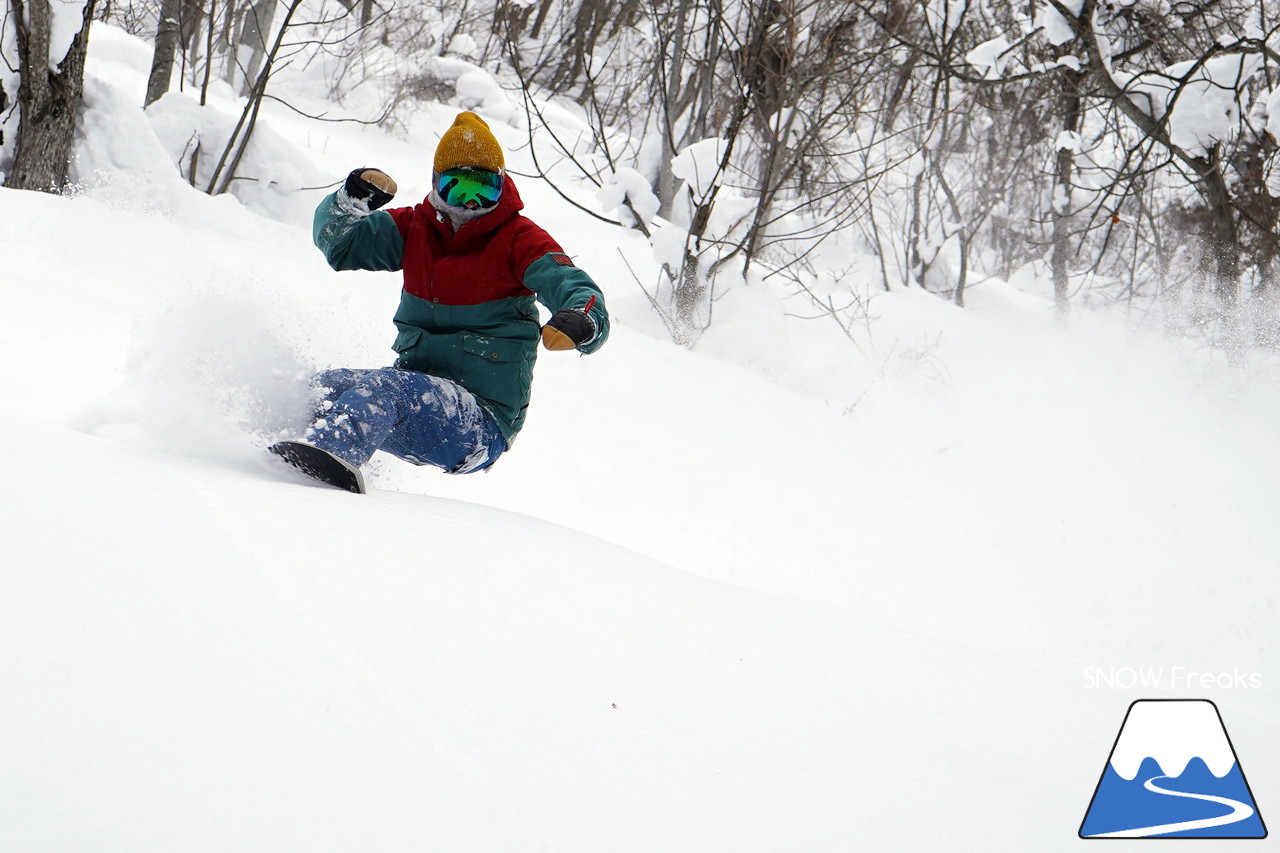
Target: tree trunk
(1069, 102)
(674, 68)
(227, 45)
(254, 35)
(1223, 237)
(48, 100)
(541, 19)
(166, 47)
(208, 53)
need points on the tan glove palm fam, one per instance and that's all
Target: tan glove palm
(381, 180)
(371, 185)
(569, 329)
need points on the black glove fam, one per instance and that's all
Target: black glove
(371, 184)
(567, 329)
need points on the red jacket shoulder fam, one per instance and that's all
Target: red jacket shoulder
(528, 243)
(404, 216)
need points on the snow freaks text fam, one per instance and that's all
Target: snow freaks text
(1169, 678)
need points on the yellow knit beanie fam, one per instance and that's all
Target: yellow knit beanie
(469, 143)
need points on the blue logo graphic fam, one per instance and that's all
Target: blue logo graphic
(1173, 773)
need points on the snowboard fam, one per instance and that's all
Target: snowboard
(320, 465)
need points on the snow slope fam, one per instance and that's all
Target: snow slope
(826, 603)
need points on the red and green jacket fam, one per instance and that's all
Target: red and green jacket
(467, 310)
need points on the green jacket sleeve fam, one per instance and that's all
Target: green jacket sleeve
(352, 238)
(559, 285)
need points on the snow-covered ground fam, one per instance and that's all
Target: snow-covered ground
(773, 594)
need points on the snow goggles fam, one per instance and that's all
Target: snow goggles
(459, 186)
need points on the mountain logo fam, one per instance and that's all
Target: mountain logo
(1173, 773)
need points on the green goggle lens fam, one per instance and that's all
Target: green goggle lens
(459, 186)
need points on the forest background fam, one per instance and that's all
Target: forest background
(1124, 151)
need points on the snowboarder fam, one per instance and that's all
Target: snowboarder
(468, 328)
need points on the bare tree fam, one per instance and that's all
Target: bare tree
(168, 34)
(49, 96)
(255, 37)
(238, 143)
(873, 124)
(312, 36)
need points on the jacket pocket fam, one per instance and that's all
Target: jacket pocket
(494, 349)
(406, 340)
(499, 371)
(410, 347)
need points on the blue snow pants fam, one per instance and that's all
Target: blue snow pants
(417, 417)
